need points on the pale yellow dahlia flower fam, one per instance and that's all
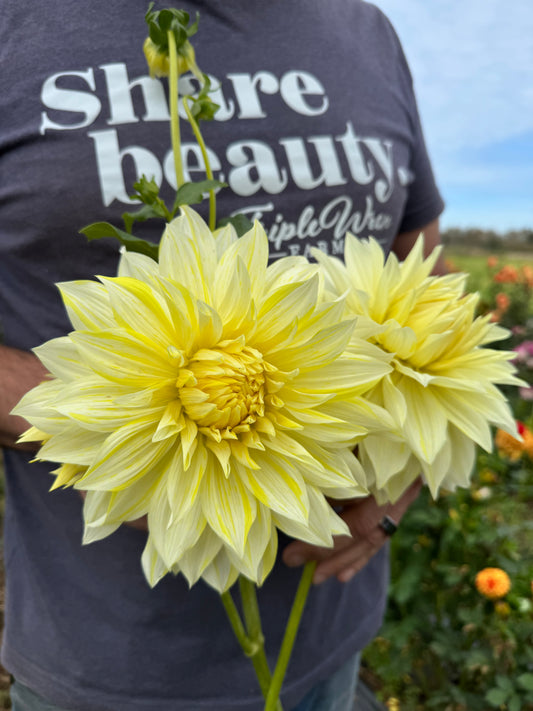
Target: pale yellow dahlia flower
(210, 392)
(442, 389)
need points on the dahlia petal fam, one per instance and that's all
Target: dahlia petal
(137, 307)
(261, 534)
(193, 563)
(328, 344)
(121, 357)
(278, 485)
(288, 271)
(425, 434)
(232, 294)
(170, 537)
(284, 306)
(187, 254)
(463, 459)
(364, 262)
(224, 238)
(387, 456)
(436, 471)
(126, 455)
(340, 476)
(73, 445)
(183, 485)
(91, 403)
(353, 372)
(153, 567)
(323, 523)
(334, 270)
(468, 412)
(37, 406)
(220, 574)
(91, 534)
(228, 507)
(138, 266)
(87, 305)
(252, 249)
(60, 356)
(414, 267)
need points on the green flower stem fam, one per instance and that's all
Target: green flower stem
(252, 647)
(174, 117)
(250, 607)
(236, 623)
(290, 635)
(208, 172)
(252, 619)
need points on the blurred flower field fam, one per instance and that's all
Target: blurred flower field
(458, 634)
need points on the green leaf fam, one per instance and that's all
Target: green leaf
(496, 697)
(99, 230)
(145, 213)
(505, 683)
(241, 224)
(514, 703)
(193, 193)
(526, 681)
(203, 108)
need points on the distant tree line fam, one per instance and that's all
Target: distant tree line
(489, 240)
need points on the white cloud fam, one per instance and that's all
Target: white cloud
(472, 61)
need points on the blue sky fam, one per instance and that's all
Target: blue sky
(472, 63)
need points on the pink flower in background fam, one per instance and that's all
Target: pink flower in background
(524, 354)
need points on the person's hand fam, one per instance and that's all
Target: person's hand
(19, 372)
(349, 554)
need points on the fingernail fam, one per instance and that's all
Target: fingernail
(294, 560)
(318, 578)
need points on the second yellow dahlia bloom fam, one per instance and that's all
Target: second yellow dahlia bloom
(442, 389)
(210, 392)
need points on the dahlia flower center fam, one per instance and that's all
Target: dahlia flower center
(224, 387)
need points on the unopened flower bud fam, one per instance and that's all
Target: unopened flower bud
(158, 63)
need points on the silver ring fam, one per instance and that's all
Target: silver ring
(388, 525)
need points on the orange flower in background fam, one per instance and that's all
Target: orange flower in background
(492, 262)
(502, 302)
(451, 266)
(527, 273)
(513, 448)
(528, 442)
(507, 275)
(493, 583)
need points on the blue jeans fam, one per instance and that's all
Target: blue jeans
(333, 694)
(337, 692)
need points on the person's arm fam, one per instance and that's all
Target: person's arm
(19, 372)
(349, 555)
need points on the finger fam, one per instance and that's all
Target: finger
(345, 564)
(298, 552)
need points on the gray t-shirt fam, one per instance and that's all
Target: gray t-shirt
(318, 133)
